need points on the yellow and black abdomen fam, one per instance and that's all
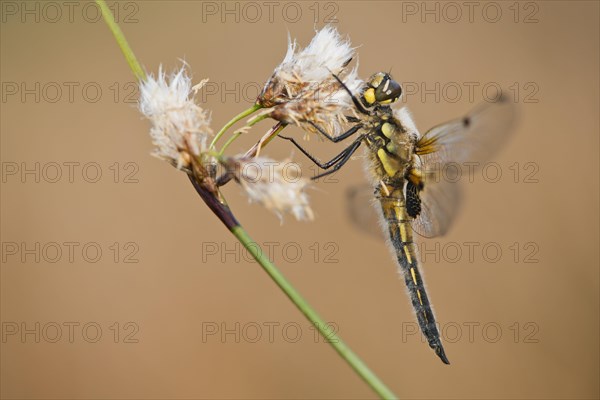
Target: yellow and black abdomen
(396, 217)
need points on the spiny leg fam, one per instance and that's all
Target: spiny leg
(349, 151)
(325, 165)
(339, 138)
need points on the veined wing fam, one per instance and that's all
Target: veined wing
(440, 204)
(361, 205)
(471, 139)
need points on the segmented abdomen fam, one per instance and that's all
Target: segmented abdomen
(394, 211)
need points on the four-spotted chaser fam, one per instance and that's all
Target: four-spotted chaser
(404, 168)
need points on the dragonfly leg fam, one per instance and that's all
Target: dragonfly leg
(359, 106)
(322, 165)
(348, 153)
(226, 177)
(339, 138)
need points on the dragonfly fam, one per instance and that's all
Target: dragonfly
(406, 168)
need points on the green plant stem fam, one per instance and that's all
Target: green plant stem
(235, 119)
(343, 350)
(239, 133)
(274, 131)
(272, 135)
(229, 141)
(118, 34)
(256, 120)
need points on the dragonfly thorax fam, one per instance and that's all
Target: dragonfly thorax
(391, 151)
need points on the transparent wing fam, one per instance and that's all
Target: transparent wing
(439, 207)
(361, 209)
(471, 139)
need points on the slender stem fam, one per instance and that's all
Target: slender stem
(274, 131)
(257, 119)
(235, 119)
(263, 142)
(343, 350)
(219, 208)
(229, 141)
(118, 34)
(271, 136)
(239, 133)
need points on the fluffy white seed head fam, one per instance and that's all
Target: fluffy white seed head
(327, 53)
(325, 106)
(303, 89)
(180, 128)
(277, 185)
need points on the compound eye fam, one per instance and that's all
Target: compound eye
(388, 91)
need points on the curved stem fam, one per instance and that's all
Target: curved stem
(267, 137)
(229, 141)
(118, 34)
(235, 119)
(272, 135)
(342, 349)
(257, 119)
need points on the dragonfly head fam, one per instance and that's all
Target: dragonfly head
(381, 89)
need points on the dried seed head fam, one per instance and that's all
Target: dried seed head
(303, 89)
(325, 106)
(277, 185)
(180, 128)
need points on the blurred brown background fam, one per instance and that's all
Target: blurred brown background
(172, 308)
